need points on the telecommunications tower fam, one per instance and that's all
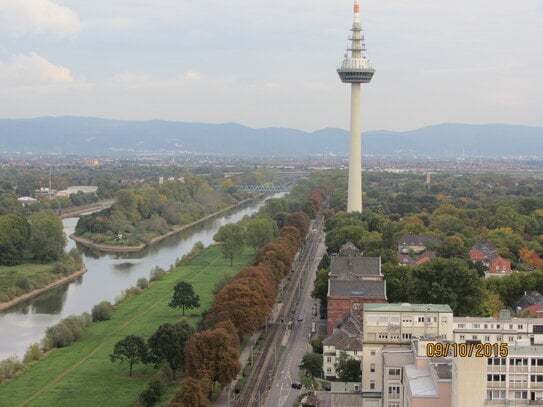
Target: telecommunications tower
(355, 69)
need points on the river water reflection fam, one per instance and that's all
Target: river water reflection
(107, 275)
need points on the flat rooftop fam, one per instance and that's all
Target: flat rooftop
(406, 307)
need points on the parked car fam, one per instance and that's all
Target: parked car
(296, 385)
(300, 318)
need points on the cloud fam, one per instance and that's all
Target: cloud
(32, 69)
(130, 78)
(192, 76)
(20, 17)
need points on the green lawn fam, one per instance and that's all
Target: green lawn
(82, 374)
(38, 275)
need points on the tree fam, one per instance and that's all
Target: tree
(168, 343)
(131, 349)
(191, 394)
(231, 237)
(246, 308)
(312, 363)
(260, 231)
(184, 297)
(320, 289)
(47, 238)
(211, 354)
(348, 368)
(448, 281)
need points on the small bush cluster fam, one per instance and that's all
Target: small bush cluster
(102, 311)
(156, 387)
(157, 274)
(66, 332)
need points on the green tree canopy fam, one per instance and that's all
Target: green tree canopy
(184, 297)
(47, 239)
(231, 237)
(260, 231)
(168, 343)
(312, 363)
(131, 349)
(348, 368)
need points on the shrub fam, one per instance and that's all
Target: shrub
(60, 268)
(157, 274)
(60, 335)
(10, 366)
(102, 311)
(142, 283)
(148, 397)
(33, 353)
(24, 284)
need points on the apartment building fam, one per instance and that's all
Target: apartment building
(391, 327)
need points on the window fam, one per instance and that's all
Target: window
(538, 329)
(383, 336)
(495, 377)
(460, 326)
(474, 337)
(420, 319)
(356, 306)
(518, 362)
(394, 372)
(498, 326)
(536, 378)
(521, 395)
(355, 353)
(393, 404)
(328, 370)
(521, 327)
(329, 359)
(498, 338)
(495, 394)
(394, 391)
(444, 320)
(510, 326)
(462, 337)
(497, 361)
(407, 320)
(511, 339)
(537, 362)
(476, 326)
(486, 326)
(406, 336)
(487, 338)
(372, 367)
(372, 384)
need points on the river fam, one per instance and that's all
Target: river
(107, 275)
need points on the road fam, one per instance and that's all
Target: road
(297, 339)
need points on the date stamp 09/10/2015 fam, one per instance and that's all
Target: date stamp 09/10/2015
(466, 350)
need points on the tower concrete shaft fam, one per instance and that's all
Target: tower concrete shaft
(355, 69)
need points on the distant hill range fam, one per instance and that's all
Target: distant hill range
(93, 136)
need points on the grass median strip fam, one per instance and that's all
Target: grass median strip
(82, 374)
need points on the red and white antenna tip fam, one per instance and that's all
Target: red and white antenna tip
(356, 7)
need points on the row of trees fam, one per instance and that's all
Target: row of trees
(243, 304)
(42, 239)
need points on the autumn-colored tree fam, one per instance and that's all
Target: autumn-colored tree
(211, 353)
(246, 308)
(259, 279)
(300, 221)
(192, 393)
(530, 258)
(229, 327)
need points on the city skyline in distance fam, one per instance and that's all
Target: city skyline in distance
(271, 64)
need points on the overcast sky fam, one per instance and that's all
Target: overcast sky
(272, 63)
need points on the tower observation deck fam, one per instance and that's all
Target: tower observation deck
(355, 69)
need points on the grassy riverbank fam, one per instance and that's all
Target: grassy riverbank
(82, 374)
(25, 278)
